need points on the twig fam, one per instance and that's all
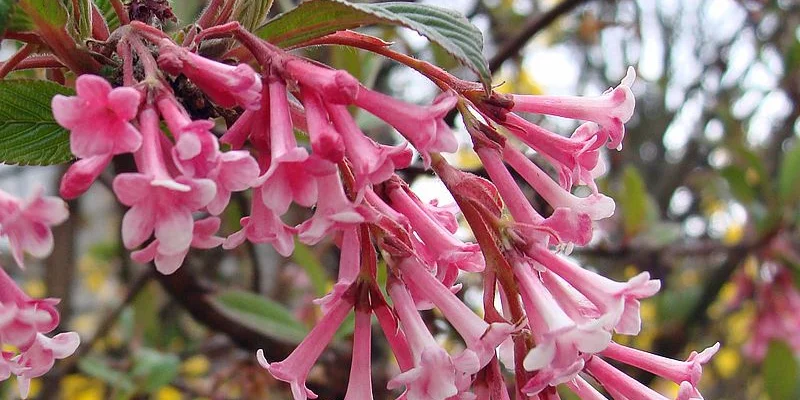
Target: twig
(122, 14)
(15, 59)
(534, 26)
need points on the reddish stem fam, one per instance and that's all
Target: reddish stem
(15, 59)
(27, 37)
(122, 13)
(209, 14)
(33, 62)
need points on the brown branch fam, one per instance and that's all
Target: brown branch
(534, 26)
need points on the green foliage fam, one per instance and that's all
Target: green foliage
(107, 11)
(789, 176)
(50, 12)
(304, 257)
(317, 18)
(5, 13)
(634, 202)
(261, 314)
(98, 368)
(781, 372)
(82, 22)
(29, 134)
(737, 181)
(251, 13)
(153, 369)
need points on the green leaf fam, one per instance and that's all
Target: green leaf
(99, 369)
(251, 13)
(780, 372)
(317, 18)
(154, 369)
(49, 12)
(107, 11)
(305, 258)
(789, 176)
(29, 135)
(5, 13)
(737, 181)
(261, 314)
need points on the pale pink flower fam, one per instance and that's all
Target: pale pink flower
(336, 212)
(685, 373)
(196, 149)
(22, 318)
(424, 127)
(480, 337)
(778, 302)
(372, 162)
(98, 117)
(611, 110)
(202, 238)
(359, 385)
(597, 206)
(448, 251)
(237, 171)
(159, 204)
(610, 297)
(227, 85)
(435, 374)
(81, 175)
(287, 179)
(617, 383)
(26, 223)
(584, 390)
(263, 226)
(40, 357)
(294, 369)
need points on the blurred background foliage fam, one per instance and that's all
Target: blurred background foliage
(707, 189)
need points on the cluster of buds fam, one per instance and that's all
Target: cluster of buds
(25, 350)
(556, 319)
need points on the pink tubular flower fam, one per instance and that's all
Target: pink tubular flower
(98, 118)
(335, 86)
(777, 318)
(326, 143)
(685, 373)
(611, 110)
(618, 298)
(617, 383)
(237, 171)
(81, 175)
(227, 85)
(359, 386)
(449, 253)
(372, 162)
(424, 127)
(287, 179)
(480, 337)
(435, 375)
(158, 202)
(584, 390)
(263, 226)
(202, 238)
(294, 369)
(334, 213)
(41, 356)
(196, 150)
(27, 223)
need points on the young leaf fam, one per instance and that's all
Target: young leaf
(28, 133)
(251, 13)
(261, 314)
(317, 18)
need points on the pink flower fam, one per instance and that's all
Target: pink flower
(424, 127)
(41, 356)
(372, 162)
(435, 374)
(22, 318)
(611, 110)
(336, 212)
(98, 117)
(325, 140)
(617, 298)
(202, 238)
(685, 373)
(227, 85)
(237, 171)
(584, 390)
(158, 202)
(480, 337)
(335, 86)
(294, 369)
(288, 178)
(196, 150)
(81, 175)
(359, 386)
(617, 383)
(448, 251)
(263, 226)
(777, 318)
(27, 223)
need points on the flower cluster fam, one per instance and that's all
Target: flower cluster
(26, 351)
(556, 321)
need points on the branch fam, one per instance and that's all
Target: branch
(534, 26)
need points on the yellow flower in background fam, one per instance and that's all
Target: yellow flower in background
(80, 387)
(727, 361)
(168, 393)
(196, 366)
